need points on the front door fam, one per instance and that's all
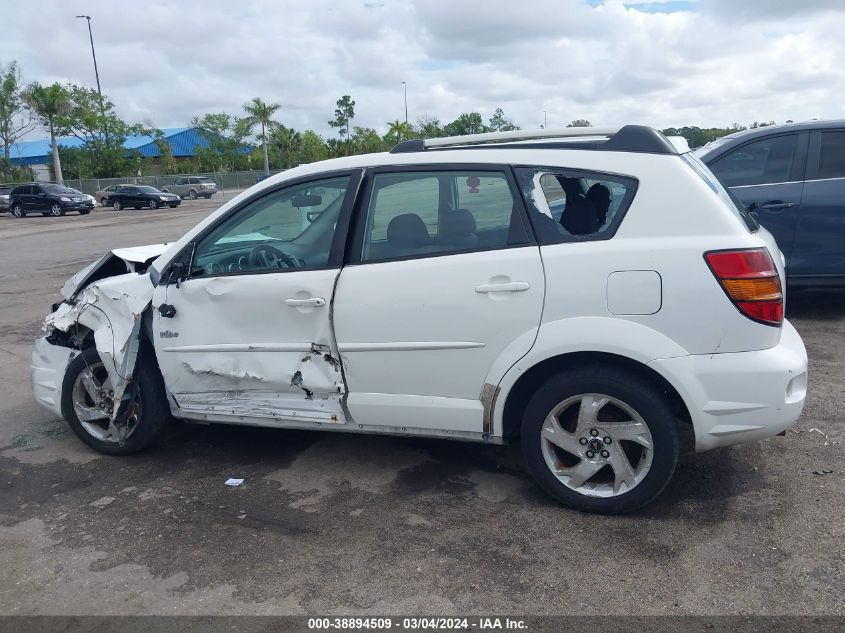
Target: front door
(444, 288)
(766, 175)
(247, 337)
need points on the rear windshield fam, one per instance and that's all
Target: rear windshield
(203, 179)
(146, 189)
(726, 195)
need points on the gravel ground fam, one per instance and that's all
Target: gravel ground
(331, 523)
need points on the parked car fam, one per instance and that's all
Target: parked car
(4, 198)
(87, 196)
(47, 199)
(103, 194)
(137, 196)
(192, 187)
(792, 177)
(434, 292)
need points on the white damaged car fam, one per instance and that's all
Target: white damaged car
(589, 292)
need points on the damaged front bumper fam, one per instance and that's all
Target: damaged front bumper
(47, 370)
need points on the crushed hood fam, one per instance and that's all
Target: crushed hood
(115, 262)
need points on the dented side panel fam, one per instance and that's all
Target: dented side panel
(234, 347)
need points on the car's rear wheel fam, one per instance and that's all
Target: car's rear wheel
(152, 204)
(56, 210)
(17, 210)
(600, 439)
(88, 402)
(104, 201)
(116, 205)
(192, 194)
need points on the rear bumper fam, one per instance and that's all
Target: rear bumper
(47, 372)
(741, 397)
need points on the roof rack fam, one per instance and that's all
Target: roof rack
(628, 138)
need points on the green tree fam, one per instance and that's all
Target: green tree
(49, 103)
(365, 140)
(343, 114)
(312, 149)
(103, 134)
(398, 131)
(15, 116)
(225, 135)
(429, 126)
(580, 123)
(466, 123)
(285, 143)
(499, 123)
(261, 113)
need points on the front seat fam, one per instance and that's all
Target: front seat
(406, 235)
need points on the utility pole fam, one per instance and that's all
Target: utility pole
(405, 86)
(94, 55)
(545, 125)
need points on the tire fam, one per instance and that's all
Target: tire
(173, 206)
(116, 205)
(152, 204)
(629, 413)
(192, 194)
(17, 210)
(153, 414)
(57, 211)
(104, 202)
(84, 211)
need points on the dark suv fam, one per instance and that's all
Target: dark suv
(793, 177)
(47, 199)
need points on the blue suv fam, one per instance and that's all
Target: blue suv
(793, 178)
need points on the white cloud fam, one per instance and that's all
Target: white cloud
(712, 63)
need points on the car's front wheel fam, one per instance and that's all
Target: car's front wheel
(600, 439)
(152, 204)
(88, 402)
(56, 210)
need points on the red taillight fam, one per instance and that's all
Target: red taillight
(750, 279)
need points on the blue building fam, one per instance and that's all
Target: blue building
(183, 142)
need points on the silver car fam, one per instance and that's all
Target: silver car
(192, 187)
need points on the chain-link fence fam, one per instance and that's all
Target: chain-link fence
(224, 180)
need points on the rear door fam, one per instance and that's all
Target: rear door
(767, 175)
(444, 287)
(820, 237)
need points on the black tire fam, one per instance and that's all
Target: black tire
(639, 394)
(17, 210)
(155, 413)
(104, 202)
(153, 204)
(192, 194)
(116, 205)
(57, 211)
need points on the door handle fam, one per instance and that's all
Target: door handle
(318, 302)
(775, 206)
(513, 286)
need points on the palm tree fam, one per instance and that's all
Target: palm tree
(261, 113)
(49, 103)
(399, 130)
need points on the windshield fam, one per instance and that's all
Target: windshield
(57, 189)
(726, 195)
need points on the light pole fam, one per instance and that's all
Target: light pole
(545, 124)
(94, 55)
(405, 88)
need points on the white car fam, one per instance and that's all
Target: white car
(589, 292)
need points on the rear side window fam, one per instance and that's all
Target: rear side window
(574, 206)
(427, 213)
(763, 162)
(832, 155)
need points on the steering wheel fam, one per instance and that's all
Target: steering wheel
(266, 256)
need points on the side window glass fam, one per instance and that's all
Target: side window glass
(419, 214)
(766, 161)
(567, 206)
(832, 156)
(288, 228)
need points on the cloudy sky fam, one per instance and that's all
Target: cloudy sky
(662, 62)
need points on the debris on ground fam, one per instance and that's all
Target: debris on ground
(234, 481)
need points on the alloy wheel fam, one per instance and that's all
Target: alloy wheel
(93, 403)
